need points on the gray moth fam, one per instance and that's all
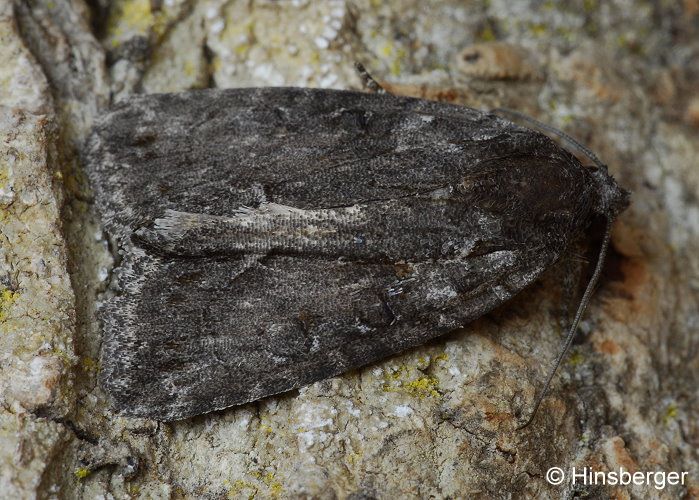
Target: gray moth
(269, 238)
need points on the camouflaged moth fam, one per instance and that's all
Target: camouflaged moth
(273, 237)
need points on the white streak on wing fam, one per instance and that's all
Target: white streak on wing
(501, 259)
(489, 223)
(442, 193)
(441, 295)
(175, 222)
(271, 225)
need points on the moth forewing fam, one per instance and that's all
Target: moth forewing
(275, 237)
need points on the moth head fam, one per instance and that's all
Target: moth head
(612, 199)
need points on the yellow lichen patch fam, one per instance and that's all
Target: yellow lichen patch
(537, 29)
(242, 49)
(64, 356)
(397, 374)
(396, 64)
(89, 364)
(264, 484)
(671, 413)
(238, 488)
(487, 34)
(442, 357)
(423, 387)
(188, 68)
(135, 17)
(394, 55)
(132, 15)
(4, 177)
(354, 458)
(216, 64)
(82, 472)
(423, 362)
(401, 380)
(575, 359)
(590, 6)
(266, 429)
(239, 36)
(275, 487)
(386, 50)
(7, 298)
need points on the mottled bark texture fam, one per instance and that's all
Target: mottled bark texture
(435, 421)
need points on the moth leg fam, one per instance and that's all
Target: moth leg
(368, 81)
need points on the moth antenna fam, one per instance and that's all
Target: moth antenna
(571, 332)
(368, 81)
(553, 130)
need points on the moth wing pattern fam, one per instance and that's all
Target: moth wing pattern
(275, 237)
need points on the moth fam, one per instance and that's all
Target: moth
(269, 238)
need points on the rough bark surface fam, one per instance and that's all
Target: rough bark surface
(436, 421)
